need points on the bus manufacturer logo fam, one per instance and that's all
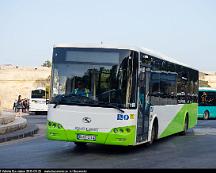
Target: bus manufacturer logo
(86, 120)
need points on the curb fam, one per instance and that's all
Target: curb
(12, 112)
(5, 119)
(17, 124)
(29, 130)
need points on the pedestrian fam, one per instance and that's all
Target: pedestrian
(19, 105)
(15, 105)
(27, 105)
(24, 105)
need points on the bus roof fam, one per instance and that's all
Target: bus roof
(207, 89)
(40, 88)
(106, 46)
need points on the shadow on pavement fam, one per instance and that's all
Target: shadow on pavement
(116, 150)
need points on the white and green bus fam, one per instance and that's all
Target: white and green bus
(119, 95)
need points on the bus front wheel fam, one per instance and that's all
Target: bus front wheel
(206, 115)
(153, 134)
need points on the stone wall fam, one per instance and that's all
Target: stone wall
(16, 81)
(209, 77)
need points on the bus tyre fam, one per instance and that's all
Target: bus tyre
(206, 115)
(185, 127)
(153, 134)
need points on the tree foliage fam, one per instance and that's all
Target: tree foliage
(47, 63)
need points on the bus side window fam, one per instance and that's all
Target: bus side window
(142, 89)
(203, 98)
(155, 88)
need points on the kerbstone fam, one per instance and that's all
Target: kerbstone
(17, 124)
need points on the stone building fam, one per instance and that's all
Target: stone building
(207, 79)
(16, 81)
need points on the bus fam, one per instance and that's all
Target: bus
(207, 103)
(38, 100)
(130, 95)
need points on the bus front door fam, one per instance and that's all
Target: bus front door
(143, 105)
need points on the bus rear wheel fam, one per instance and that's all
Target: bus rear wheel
(206, 115)
(185, 127)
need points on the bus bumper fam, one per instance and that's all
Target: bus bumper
(119, 136)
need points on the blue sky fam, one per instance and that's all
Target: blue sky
(182, 29)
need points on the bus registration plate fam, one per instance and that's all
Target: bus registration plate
(86, 137)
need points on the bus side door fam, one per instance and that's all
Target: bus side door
(143, 104)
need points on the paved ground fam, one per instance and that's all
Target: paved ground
(39, 120)
(195, 150)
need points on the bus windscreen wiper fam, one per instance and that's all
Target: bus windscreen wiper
(73, 98)
(81, 100)
(110, 105)
(58, 101)
(61, 97)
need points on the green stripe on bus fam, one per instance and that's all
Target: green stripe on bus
(177, 124)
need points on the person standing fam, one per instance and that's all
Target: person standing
(19, 104)
(15, 105)
(24, 105)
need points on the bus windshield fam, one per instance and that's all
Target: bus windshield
(38, 94)
(92, 76)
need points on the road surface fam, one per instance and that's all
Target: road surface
(195, 150)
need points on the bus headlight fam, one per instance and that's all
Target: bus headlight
(128, 130)
(115, 130)
(60, 126)
(55, 125)
(49, 123)
(121, 130)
